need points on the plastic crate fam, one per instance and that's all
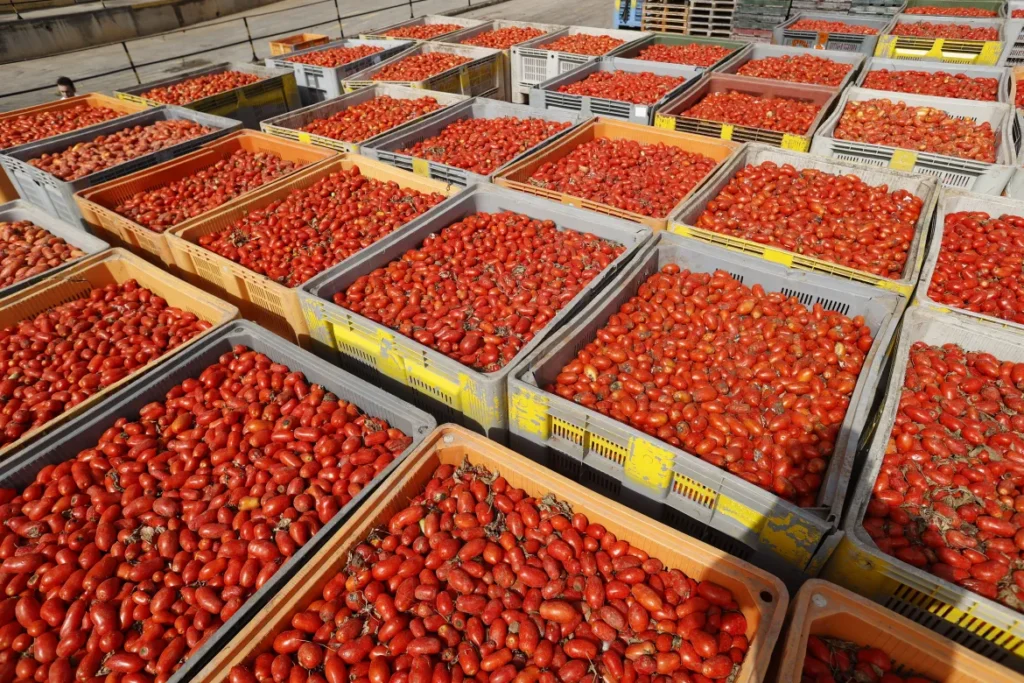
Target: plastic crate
(97, 204)
(482, 75)
(1012, 75)
(75, 282)
(425, 377)
(1000, 74)
(980, 52)
(784, 34)
(980, 624)
(94, 100)
(270, 304)
(1015, 188)
(634, 49)
(997, 6)
(274, 94)
(320, 83)
(426, 19)
(20, 210)
(56, 196)
(386, 147)
(823, 609)
(66, 442)
(546, 96)
(517, 175)
(289, 126)
(964, 174)
(671, 116)
(1013, 41)
(300, 41)
(506, 55)
(855, 60)
(634, 461)
(532, 64)
(925, 188)
(761, 597)
(665, 16)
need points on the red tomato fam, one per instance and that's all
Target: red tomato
(370, 118)
(932, 10)
(504, 38)
(335, 56)
(422, 31)
(583, 44)
(822, 26)
(770, 113)
(798, 69)
(695, 54)
(926, 29)
(638, 88)
(18, 130)
(199, 87)
(27, 250)
(939, 84)
(419, 67)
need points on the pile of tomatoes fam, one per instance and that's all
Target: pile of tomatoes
(830, 660)
(373, 117)
(121, 562)
(648, 179)
(797, 69)
(694, 54)
(583, 44)
(840, 219)
(105, 151)
(476, 579)
(931, 10)
(1017, 14)
(922, 129)
(292, 239)
(19, 130)
(938, 84)
(420, 67)
(480, 289)
(26, 250)
(203, 190)
(770, 113)
(423, 31)
(336, 56)
(981, 265)
(484, 145)
(1019, 100)
(199, 87)
(504, 38)
(822, 26)
(750, 381)
(949, 498)
(641, 87)
(61, 357)
(926, 29)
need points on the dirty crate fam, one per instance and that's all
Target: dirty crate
(785, 34)
(953, 172)
(547, 97)
(97, 204)
(65, 443)
(481, 76)
(671, 116)
(635, 49)
(926, 188)
(854, 59)
(419, 374)
(998, 7)
(426, 19)
(275, 93)
(970, 70)
(56, 196)
(387, 147)
(631, 462)
(761, 597)
(517, 175)
(271, 304)
(93, 100)
(300, 41)
(980, 52)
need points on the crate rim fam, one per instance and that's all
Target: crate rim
(87, 98)
(245, 67)
(1002, 75)
(631, 37)
(423, 19)
(885, 21)
(423, 47)
(456, 37)
(764, 51)
(285, 61)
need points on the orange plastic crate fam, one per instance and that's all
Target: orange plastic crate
(300, 41)
(94, 100)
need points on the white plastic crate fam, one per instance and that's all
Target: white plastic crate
(481, 76)
(426, 19)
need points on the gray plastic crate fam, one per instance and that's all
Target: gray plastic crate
(1013, 42)
(983, 625)
(946, 50)
(274, 94)
(426, 19)
(482, 75)
(1015, 189)
(319, 83)
(998, 73)
(56, 196)
(460, 37)
(386, 146)
(784, 34)
(20, 210)
(953, 172)
(546, 96)
(634, 461)
(759, 51)
(532, 64)
(421, 375)
(754, 154)
(68, 440)
(634, 49)
(289, 125)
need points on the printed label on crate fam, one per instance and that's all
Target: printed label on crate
(640, 112)
(777, 256)
(421, 167)
(903, 160)
(572, 201)
(726, 133)
(649, 464)
(666, 122)
(795, 142)
(304, 138)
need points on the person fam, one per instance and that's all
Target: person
(65, 87)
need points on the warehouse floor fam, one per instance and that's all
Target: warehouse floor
(576, 12)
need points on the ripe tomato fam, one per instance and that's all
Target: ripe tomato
(335, 56)
(583, 44)
(830, 659)
(27, 250)
(19, 130)
(504, 38)
(422, 32)
(638, 88)
(695, 54)
(770, 113)
(199, 87)
(932, 10)
(798, 69)
(823, 26)
(939, 84)
(373, 117)
(926, 29)
(419, 67)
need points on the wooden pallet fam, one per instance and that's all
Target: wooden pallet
(664, 16)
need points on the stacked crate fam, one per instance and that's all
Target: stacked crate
(755, 19)
(711, 18)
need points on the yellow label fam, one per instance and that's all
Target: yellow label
(528, 410)
(777, 256)
(741, 513)
(421, 167)
(666, 122)
(795, 143)
(572, 201)
(990, 52)
(726, 131)
(680, 229)
(649, 464)
(903, 160)
(937, 47)
(304, 138)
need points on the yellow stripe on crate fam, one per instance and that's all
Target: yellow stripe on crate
(905, 290)
(795, 142)
(778, 256)
(304, 138)
(990, 53)
(666, 122)
(649, 465)
(528, 410)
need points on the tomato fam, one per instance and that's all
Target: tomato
(422, 31)
(504, 38)
(198, 87)
(370, 118)
(771, 113)
(420, 67)
(694, 54)
(830, 659)
(938, 84)
(1018, 13)
(639, 88)
(335, 56)
(26, 250)
(583, 44)
(932, 10)
(923, 129)
(926, 29)
(18, 130)
(803, 68)
(823, 26)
